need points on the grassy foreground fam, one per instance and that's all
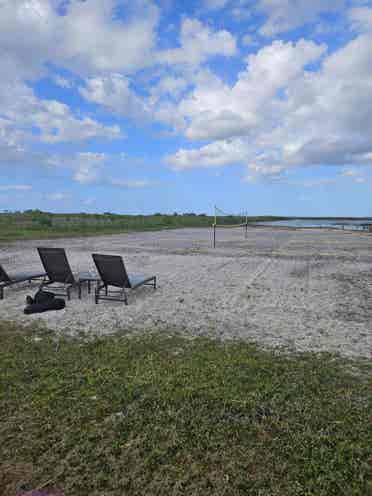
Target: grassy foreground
(162, 415)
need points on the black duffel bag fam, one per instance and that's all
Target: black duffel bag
(43, 301)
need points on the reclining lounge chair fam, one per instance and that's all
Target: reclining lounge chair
(112, 271)
(59, 272)
(10, 279)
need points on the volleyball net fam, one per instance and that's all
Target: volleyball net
(224, 220)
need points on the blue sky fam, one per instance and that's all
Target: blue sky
(147, 106)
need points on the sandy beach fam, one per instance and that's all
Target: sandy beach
(299, 289)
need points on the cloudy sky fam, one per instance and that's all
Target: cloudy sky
(142, 106)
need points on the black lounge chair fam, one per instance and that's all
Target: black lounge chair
(10, 279)
(112, 270)
(59, 272)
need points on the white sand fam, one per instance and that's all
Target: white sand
(304, 289)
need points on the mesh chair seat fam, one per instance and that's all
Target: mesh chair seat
(86, 276)
(138, 279)
(24, 276)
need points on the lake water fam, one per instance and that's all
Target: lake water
(354, 224)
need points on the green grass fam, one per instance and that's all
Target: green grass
(162, 415)
(35, 224)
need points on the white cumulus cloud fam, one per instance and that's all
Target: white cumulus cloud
(114, 92)
(197, 43)
(361, 18)
(281, 114)
(284, 15)
(215, 110)
(87, 39)
(88, 167)
(216, 154)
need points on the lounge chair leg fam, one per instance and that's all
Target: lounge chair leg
(125, 297)
(79, 290)
(68, 294)
(154, 282)
(89, 287)
(96, 296)
(1, 293)
(106, 290)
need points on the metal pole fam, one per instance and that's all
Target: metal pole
(214, 226)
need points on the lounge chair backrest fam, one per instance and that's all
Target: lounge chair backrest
(112, 270)
(3, 275)
(56, 265)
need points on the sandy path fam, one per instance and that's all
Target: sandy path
(305, 289)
